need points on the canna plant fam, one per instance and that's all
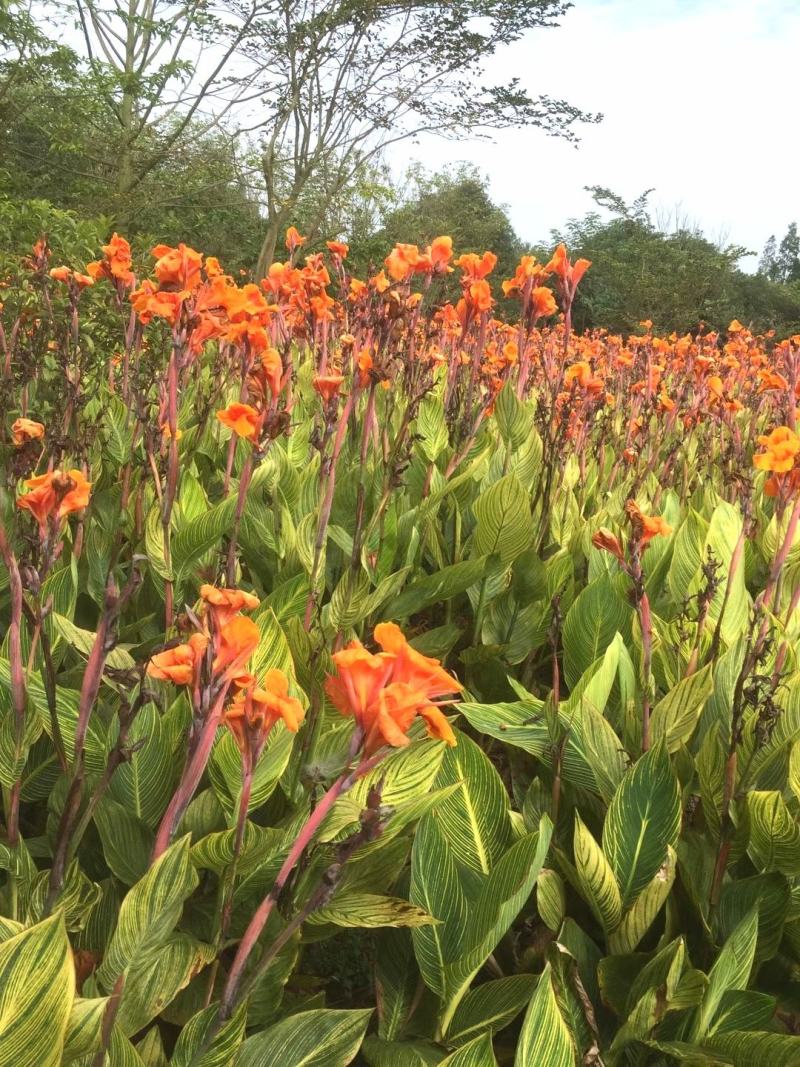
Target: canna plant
(384, 682)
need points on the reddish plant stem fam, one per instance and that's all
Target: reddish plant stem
(325, 509)
(190, 779)
(344, 782)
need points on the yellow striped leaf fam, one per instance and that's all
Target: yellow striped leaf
(37, 987)
(544, 1038)
(596, 877)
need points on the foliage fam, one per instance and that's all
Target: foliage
(677, 279)
(550, 817)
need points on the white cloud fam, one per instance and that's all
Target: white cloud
(700, 102)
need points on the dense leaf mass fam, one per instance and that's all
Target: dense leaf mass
(391, 672)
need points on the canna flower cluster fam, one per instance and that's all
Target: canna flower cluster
(387, 690)
(53, 496)
(781, 448)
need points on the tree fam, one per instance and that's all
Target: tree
(768, 264)
(456, 202)
(788, 260)
(677, 279)
(342, 79)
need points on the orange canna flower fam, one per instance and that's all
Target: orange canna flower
(177, 268)
(241, 418)
(24, 430)
(64, 274)
(117, 263)
(386, 691)
(328, 385)
(421, 672)
(543, 302)
(440, 254)
(235, 643)
(606, 541)
(55, 494)
(181, 664)
(338, 249)
(293, 239)
(213, 268)
(224, 604)
(782, 445)
(645, 527)
(476, 267)
(255, 710)
(480, 295)
(402, 261)
(569, 274)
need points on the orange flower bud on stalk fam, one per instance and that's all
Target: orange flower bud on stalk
(24, 430)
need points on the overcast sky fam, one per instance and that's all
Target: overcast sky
(701, 100)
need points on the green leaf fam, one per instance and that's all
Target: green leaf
(643, 821)
(503, 516)
(476, 816)
(478, 1053)
(502, 894)
(640, 916)
(747, 1049)
(37, 986)
(152, 984)
(595, 617)
(512, 417)
(320, 1038)
(143, 784)
(490, 1007)
(84, 1027)
(596, 878)
(443, 585)
(774, 843)
(731, 970)
(396, 980)
(83, 641)
(369, 911)
(149, 912)
(545, 1038)
(675, 716)
(435, 888)
(219, 1051)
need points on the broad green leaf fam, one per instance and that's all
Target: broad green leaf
(675, 716)
(643, 821)
(504, 526)
(597, 879)
(218, 1045)
(545, 1038)
(595, 617)
(443, 585)
(436, 889)
(638, 919)
(491, 1006)
(748, 1049)
(505, 890)
(84, 1027)
(731, 970)
(157, 980)
(149, 912)
(321, 1038)
(369, 910)
(37, 986)
(143, 784)
(477, 1053)
(475, 817)
(774, 843)
(396, 980)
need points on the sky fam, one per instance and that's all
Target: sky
(700, 99)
